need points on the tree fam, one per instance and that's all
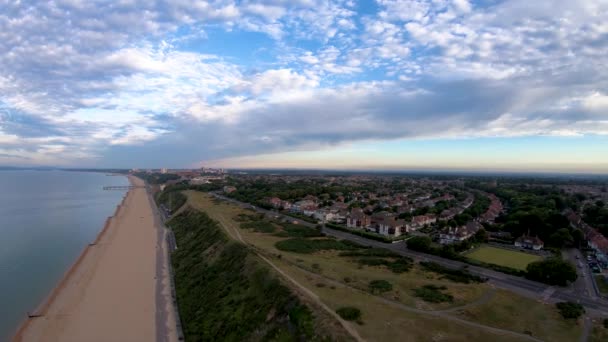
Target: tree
(420, 243)
(561, 238)
(552, 271)
(578, 236)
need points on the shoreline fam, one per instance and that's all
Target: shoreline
(111, 289)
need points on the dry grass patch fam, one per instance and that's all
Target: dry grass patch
(509, 311)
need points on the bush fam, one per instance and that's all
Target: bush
(296, 230)
(570, 310)
(261, 226)
(420, 244)
(553, 271)
(433, 294)
(459, 276)
(380, 286)
(349, 313)
(307, 246)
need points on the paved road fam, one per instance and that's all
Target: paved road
(584, 283)
(519, 285)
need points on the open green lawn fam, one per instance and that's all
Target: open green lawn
(503, 257)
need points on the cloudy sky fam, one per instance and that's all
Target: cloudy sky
(389, 84)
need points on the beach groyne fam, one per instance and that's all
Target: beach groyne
(41, 310)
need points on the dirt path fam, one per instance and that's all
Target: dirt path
(587, 327)
(347, 326)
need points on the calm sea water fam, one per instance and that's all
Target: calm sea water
(46, 219)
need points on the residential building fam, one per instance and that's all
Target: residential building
(452, 235)
(529, 242)
(421, 221)
(358, 219)
(387, 224)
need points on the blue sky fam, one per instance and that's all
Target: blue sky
(391, 84)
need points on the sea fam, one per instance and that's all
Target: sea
(46, 219)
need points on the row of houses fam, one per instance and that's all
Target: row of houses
(493, 211)
(595, 240)
(386, 223)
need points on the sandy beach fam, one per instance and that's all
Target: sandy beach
(118, 288)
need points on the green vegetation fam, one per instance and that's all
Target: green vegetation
(432, 294)
(552, 271)
(156, 177)
(296, 230)
(503, 257)
(458, 276)
(380, 286)
(400, 265)
(349, 313)
(307, 246)
(261, 226)
(172, 200)
(424, 244)
(570, 310)
(223, 291)
(597, 216)
(536, 210)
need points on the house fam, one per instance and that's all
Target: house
(275, 202)
(229, 189)
(358, 219)
(529, 242)
(300, 206)
(387, 224)
(324, 215)
(422, 220)
(452, 235)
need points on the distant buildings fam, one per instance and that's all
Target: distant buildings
(229, 189)
(163, 170)
(529, 242)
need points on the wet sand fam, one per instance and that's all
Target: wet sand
(112, 291)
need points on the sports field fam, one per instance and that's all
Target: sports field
(503, 257)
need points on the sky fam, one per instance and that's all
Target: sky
(512, 85)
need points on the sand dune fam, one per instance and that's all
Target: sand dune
(110, 293)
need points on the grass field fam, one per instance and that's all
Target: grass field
(334, 278)
(503, 257)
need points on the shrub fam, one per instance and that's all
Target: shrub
(349, 313)
(433, 294)
(380, 286)
(259, 226)
(459, 276)
(295, 230)
(570, 310)
(307, 246)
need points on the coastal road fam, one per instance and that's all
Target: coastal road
(519, 285)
